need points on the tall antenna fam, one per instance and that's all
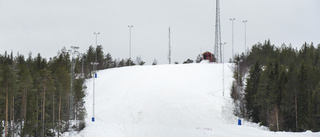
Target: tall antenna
(169, 56)
(217, 45)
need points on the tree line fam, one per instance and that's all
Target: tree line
(279, 87)
(35, 97)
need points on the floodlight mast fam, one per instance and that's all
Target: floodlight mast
(130, 26)
(232, 19)
(73, 51)
(96, 33)
(169, 56)
(94, 67)
(245, 36)
(93, 102)
(222, 44)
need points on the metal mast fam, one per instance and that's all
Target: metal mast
(217, 45)
(130, 26)
(245, 36)
(96, 60)
(169, 56)
(232, 19)
(95, 76)
(72, 52)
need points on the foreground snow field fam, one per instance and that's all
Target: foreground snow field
(167, 101)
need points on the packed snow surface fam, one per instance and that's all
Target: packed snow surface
(167, 101)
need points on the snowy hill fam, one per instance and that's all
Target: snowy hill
(166, 101)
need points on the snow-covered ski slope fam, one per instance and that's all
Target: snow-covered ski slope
(167, 101)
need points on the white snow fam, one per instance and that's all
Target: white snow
(167, 101)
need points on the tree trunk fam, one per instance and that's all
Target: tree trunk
(22, 109)
(25, 107)
(53, 113)
(59, 115)
(277, 118)
(10, 118)
(37, 115)
(13, 129)
(296, 109)
(7, 97)
(43, 108)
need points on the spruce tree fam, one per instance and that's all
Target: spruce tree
(314, 119)
(302, 98)
(265, 85)
(251, 90)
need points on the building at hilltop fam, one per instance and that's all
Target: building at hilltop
(208, 56)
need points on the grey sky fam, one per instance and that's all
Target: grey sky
(46, 26)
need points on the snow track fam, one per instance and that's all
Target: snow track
(166, 101)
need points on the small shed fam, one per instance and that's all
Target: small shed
(209, 56)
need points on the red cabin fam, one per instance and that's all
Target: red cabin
(208, 56)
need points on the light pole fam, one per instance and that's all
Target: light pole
(232, 19)
(245, 36)
(94, 66)
(82, 75)
(238, 83)
(73, 52)
(238, 87)
(95, 76)
(222, 44)
(96, 33)
(169, 56)
(130, 26)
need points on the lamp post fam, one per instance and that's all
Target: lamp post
(238, 83)
(96, 33)
(238, 86)
(73, 52)
(82, 75)
(130, 26)
(222, 60)
(232, 19)
(245, 36)
(95, 76)
(94, 65)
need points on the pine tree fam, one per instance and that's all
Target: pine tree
(2, 98)
(121, 63)
(155, 62)
(287, 104)
(100, 58)
(109, 62)
(302, 97)
(79, 89)
(47, 85)
(90, 57)
(314, 120)
(266, 85)
(25, 86)
(129, 62)
(251, 90)
(62, 86)
(30, 127)
(7, 79)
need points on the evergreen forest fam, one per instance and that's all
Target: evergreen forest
(36, 96)
(278, 87)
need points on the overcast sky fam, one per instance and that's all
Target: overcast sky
(46, 26)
